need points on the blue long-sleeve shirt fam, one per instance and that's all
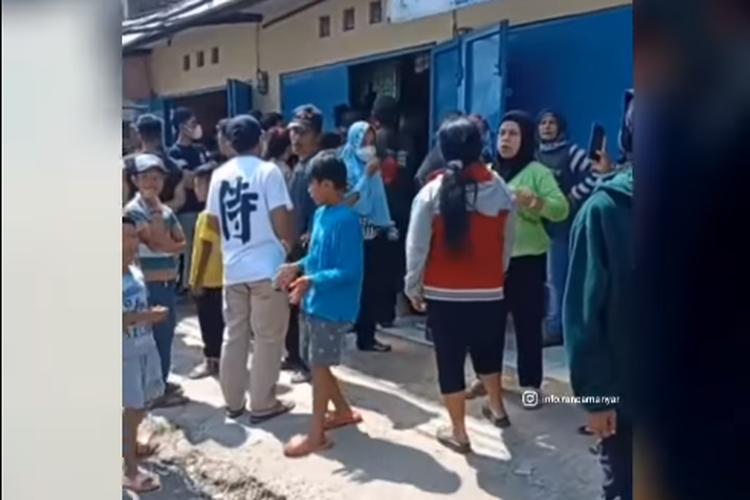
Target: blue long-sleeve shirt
(335, 264)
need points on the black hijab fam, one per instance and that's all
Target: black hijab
(509, 167)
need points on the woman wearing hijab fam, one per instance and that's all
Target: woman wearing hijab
(575, 176)
(538, 199)
(368, 199)
(459, 244)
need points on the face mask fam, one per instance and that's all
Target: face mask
(366, 153)
(197, 134)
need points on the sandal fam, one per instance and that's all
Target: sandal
(143, 482)
(279, 409)
(170, 400)
(446, 438)
(499, 422)
(334, 421)
(584, 431)
(209, 368)
(300, 446)
(301, 377)
(376, 347)
(235, 414)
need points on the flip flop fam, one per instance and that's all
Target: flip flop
(446, 438)
(334, 421)
(281, 408)
(376, 347)
(499, 422)
(584, 431)
(143, 483)
(300, 446)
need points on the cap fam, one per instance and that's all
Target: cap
(307, 117)
(243, 132)
(145, 162)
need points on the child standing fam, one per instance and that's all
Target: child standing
(327, 285)
(207, 280)
(141, 367)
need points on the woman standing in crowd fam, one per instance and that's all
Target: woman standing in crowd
(279, 150)
(572, 168)
(538, 199)
(368, 199)
(460, 223)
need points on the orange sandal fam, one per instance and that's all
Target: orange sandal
(334, 421)
(300, 446)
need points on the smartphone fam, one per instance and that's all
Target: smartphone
(596, 142)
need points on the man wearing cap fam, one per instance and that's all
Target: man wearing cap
(150, 131)
(188, 154)
(305, 131)
(249, 205)
(161, 240)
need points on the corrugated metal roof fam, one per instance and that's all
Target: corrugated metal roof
(134, 30)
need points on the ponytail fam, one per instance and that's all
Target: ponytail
(452, 198)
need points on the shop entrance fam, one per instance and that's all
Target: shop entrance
(209, 108)
(406, 78)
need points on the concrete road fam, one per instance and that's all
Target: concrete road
(392, 455)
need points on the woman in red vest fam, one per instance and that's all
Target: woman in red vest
(459, 244)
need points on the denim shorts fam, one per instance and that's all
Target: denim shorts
(141, 379)
(321, 340)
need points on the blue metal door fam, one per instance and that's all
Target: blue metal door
(484, 88)
(325, 87)
(239, 97)
(446, 75)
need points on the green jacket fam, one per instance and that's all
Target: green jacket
(531, 236)
(598, 311)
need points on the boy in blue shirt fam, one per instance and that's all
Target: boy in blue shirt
(327, 285)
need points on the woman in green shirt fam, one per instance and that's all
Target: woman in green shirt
(538, 199)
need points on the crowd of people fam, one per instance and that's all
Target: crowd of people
(292, 238)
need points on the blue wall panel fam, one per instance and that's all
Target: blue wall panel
(325, 87)
(577, 65)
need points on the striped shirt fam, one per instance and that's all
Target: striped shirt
(152, 260)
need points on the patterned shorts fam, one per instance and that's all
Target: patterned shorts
(321, 340)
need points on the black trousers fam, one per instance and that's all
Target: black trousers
(396, 251)
(211, 320)
(376, 289)
(291, 342)
(461, 328)
(616, 459)
(525, 300)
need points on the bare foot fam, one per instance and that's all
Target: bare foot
(303, 445)
(141, 482)
(337, 420)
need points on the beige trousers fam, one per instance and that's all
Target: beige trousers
(257, 314)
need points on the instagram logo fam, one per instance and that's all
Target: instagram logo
(530, 399)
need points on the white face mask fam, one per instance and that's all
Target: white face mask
(366, 153)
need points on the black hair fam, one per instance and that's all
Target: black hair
(331, 140)
(460, 142)
(126, 219)
(327, 166)
(221, 126)
(150, 128)
(180, 116)
(352, 116)
(258, 115)
(278, 143)
(271, 120)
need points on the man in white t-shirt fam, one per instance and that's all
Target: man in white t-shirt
(249, 205)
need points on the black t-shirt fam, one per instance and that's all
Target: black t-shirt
(174, 176)
(395, 152)
(189, 158)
